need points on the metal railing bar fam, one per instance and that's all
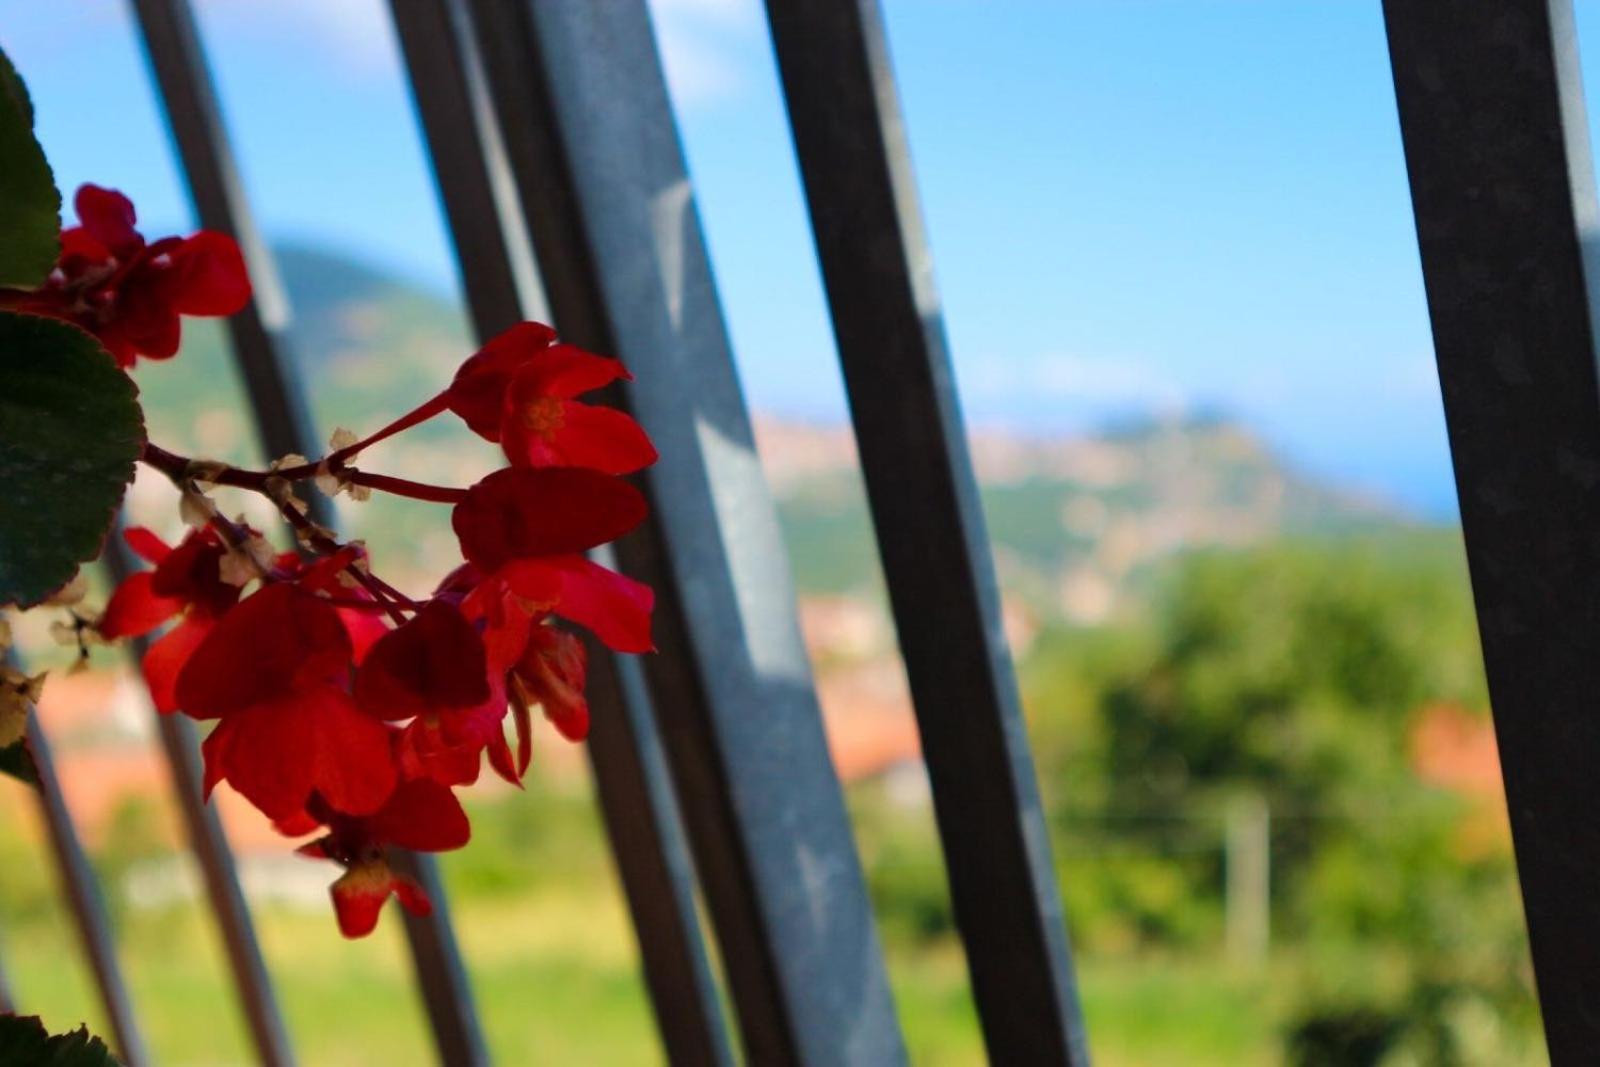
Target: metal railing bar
(252, 983)
(592, 144)
(631, 778)
(876, 266)
(88, 907)
(8, 1003)
(178, 61)
(1492, 119)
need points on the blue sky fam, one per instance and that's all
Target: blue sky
(1133, 204)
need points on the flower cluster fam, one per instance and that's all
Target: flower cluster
(341, 706)
(128, 292)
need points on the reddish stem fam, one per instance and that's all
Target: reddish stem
(437, 494)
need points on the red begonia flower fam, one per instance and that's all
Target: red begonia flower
(478, 391)
(274, 671)
(615, 607)
(434, 662)
(361, 892)
(519, 390)
(186, 581)
(433, 670)
(128, 293)
(421, 815)
(524, 530)
(520, 513)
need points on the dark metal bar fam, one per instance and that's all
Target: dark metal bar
(252, 984)
(1492, 117)
(8, 1003)
(178, 62)
(876, 265)
(88, 909)
(630, 773)
(593, 147)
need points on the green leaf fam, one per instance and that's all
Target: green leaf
(24, 1042)
(12, 85)
(17, 761)
(30, 204)
(70, 431)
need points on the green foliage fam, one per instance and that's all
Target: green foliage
(30, 206)
(70, 431)
(24, 1042)
(1296, 673)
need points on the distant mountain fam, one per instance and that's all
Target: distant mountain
(1076, 522)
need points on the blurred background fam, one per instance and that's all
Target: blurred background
(1181, 283)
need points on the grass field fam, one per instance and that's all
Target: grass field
(554, 969)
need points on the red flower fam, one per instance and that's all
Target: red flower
(185, 582)
(274, 670)
(433, 670)
(361, 892)
(421, 815)
(128, 293)
(523, 530)
(519, 390)
(551, 673)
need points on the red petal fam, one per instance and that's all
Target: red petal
(614, 606)
(146, 545)
(261, 649)
(436, 660)
(478, 392)
(192, 571)
(108, 217)
(568, 371)
(214, 750)
(164, 661)
(412, 897)
(423, 816)
(522, 512)
(207, 276)
(365, 629)
(553, 672)
(583, 435)
(135, 608)
(353, 765)
(79, 243)
(277, 752)
(267, 753)
(524, 724)
(359, 895)
(500, 759)
(297, 825)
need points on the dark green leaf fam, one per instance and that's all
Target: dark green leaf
(24, 1042)
(17, 761)
(12, 85)
(70, 431)
(30, 205)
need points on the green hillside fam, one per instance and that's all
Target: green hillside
(1076, 522)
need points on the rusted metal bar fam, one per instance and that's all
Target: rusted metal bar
(631, 778)
(878, 270)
